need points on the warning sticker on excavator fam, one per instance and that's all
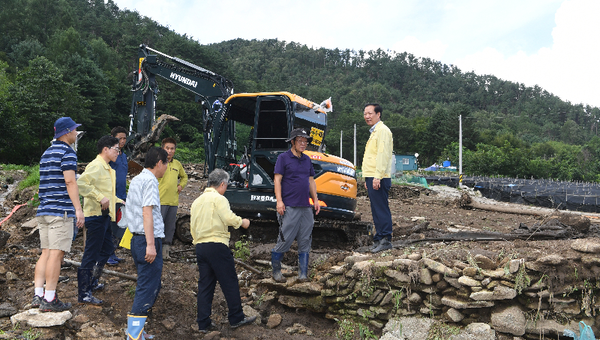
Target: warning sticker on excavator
(317, 135)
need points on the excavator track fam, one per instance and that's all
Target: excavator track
(326, 233)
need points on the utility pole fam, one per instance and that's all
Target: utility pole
(355, 144)
(460, 173)
(341, 134)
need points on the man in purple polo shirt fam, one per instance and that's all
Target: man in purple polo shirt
(294, 185)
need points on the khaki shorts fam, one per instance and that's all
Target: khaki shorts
(56, 232)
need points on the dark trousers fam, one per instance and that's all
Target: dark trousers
(215, 263)
(380, 208)
(98, 242)
(148, 275)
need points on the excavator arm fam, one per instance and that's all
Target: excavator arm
(210, 88)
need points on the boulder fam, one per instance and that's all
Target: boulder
(509, 320)
(34, 318)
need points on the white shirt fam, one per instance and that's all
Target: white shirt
(143, 192)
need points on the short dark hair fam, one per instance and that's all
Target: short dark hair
(118, 129)
(154, 155)
(168, 140)
(377, 108)
(106, 142)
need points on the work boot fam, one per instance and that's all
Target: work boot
(384, 244)
(165, 252)
(96, 274)
(375, 244)
(276, 263)
(303, 267)
(135, 327)
(84, 287)
(54, 306)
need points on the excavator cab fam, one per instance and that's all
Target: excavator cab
(251, 135)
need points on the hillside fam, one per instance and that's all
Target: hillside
(74, 57)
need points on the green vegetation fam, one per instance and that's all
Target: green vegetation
(33, 174)
(441, 331)
(350, 330)
(242, 249)
(73, 57)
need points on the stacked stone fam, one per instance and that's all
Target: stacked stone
(512, 296)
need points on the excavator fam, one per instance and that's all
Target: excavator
(243, 134)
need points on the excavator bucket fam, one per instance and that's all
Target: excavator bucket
(136, 157)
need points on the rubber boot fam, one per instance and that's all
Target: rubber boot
(303, 267)
(276, 263)
(165, 252)
(96, 274)
(135, 327)
(84, 287)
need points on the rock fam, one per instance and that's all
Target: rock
(458, 303)
(405, 264)
(388, 336)
(437, 277)
(388, 297)
(249, 311)
(453, 282)
(2, 269)
(509, 320)
(4, 236)
(514, 265)
(169, 324)
(585, 245)
(484, 295)
(414, 298)
(475, 331)
(551, 327)
(589, 261)
(337, 270)
(552, 260)
(356, 258)
(409, 328)
(425, 276)
(470, 271)
(440, 268)
(313, 303)
(35, 318)
(398, 276)
(7, 309)
(454, 315)
(298, 329)
(414, 256)
(10, 276)
(312, 288)
(468, 281)
(274, 321)
(214, 335)
(494, 274)
(484, 262)
(504, 293)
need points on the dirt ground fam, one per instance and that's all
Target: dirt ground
(414, 210)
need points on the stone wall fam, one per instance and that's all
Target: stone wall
(515, 297)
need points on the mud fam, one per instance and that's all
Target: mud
(416, 211)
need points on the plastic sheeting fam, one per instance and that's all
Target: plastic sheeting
(576, 196)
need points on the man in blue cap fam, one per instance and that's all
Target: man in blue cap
(59, 204)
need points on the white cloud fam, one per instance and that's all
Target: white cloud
(569, 68)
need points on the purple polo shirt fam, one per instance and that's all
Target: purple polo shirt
(294, 183)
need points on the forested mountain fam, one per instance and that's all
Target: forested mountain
(74, 57)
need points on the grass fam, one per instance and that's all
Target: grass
(33, 174)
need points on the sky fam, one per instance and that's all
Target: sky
(551, 43)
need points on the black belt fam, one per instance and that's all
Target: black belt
(138, 234)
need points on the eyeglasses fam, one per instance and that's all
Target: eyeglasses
(116, 148)
(302, 141)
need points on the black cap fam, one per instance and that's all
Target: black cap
(299, 132)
